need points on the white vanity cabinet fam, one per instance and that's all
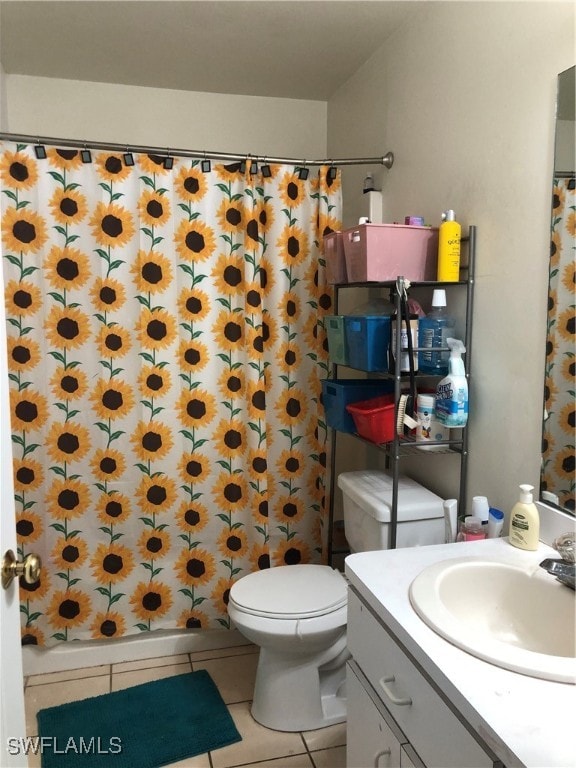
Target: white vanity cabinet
(396, 717)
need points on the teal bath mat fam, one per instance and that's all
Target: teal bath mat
(145, 726)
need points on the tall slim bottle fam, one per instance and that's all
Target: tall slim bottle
(433, 330)
(449, 248)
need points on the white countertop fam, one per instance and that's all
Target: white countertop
(526, 721)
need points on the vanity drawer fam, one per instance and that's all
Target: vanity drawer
(430, 726)
(369, 739)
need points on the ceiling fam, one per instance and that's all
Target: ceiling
(301, 49)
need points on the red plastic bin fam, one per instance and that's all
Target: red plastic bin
(374, 418)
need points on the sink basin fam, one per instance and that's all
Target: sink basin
(520, 619)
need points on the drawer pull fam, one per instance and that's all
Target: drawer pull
(400, 702)
(387, 752)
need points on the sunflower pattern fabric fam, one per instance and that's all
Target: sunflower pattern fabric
(558, 434)
(166, 345)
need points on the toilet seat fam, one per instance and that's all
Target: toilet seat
(290, 592)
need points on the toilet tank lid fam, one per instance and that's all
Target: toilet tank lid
(371, 490)
(299, 591)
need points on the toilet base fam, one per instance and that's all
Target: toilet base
(300, 693)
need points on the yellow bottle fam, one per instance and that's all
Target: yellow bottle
(449, 248)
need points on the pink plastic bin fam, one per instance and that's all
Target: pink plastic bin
(335, 261)
(384, 251)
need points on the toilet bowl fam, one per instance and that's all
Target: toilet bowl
(297, 615)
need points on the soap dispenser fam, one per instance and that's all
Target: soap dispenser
(525, 521)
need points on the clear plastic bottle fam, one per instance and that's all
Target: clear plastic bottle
(433, 330)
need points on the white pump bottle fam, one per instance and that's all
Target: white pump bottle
(525, 521)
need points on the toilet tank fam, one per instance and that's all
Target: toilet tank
(367, 503)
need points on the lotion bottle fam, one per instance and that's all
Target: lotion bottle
(449, 248)
(525, 521)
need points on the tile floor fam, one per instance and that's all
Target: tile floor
(259, 748)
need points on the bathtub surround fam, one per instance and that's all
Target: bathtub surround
(165, 414)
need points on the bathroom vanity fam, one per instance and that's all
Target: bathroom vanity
(415, 699)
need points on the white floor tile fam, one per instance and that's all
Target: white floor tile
(219, 653)
(233, 670)
(330, 758)
(233, 675)
(296, 761)
(70, 674)
(200, 761)
(258, 743)
(121, 680)
(325, 738)
(39, 697)
(159, 661)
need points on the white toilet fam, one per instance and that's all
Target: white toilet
(297, 613)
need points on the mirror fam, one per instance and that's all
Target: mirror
(557, 483)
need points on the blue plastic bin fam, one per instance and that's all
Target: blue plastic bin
(338, 393)
(337, 347)
(368, 339)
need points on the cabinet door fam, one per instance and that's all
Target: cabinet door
(422, 714)
(370, 742)
(408, 758)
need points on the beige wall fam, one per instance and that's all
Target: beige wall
(3, 103)
(464, 95)
(154, 116)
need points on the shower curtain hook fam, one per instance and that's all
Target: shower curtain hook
(128, 157)
(205, 165)
(303, 172)
(266, 172)
(40, 150)
(85, 154)
(168, 160)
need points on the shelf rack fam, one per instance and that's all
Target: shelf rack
(406, 446)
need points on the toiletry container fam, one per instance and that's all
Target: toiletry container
(404, 355)
(368, 185)
(525, 521)
(495, 523)
(481, 508)
(433, 331)
(449, 248)
(429, 430)
(471, 529)
(452, 390)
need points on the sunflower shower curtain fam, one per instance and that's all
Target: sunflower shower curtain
(557, 473)
(165, 350)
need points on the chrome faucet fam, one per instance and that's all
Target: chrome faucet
(564, 569)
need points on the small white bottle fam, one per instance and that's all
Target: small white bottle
(368, 185)
(525, 521)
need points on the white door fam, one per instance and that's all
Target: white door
(12, 719)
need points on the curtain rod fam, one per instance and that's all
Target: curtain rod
(387, 159)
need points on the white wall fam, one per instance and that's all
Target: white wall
(168, 118)
(464, 95)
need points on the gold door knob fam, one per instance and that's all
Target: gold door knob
(29, 568)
